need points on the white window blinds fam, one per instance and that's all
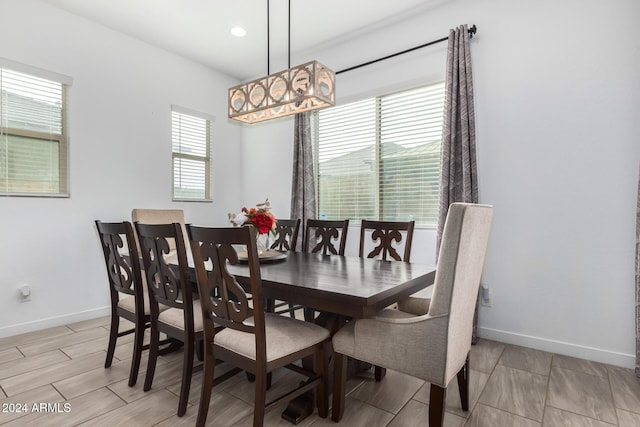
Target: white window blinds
(380, 158)
(191, 152)
(33, 141)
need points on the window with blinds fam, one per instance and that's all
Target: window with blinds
(379, 158)
(191, 152)
(33, 141)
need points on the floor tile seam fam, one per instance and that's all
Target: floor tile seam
(524, 370)
(83, 355)
(547, 391)
(89, 391)
(58, 347)
(509, 412)
(493, 369)
(142, 396)
(35, 368)
(405, 404)
(580, 372)
(584, 416)
(34, 339)
(613, 398)
(99, 415)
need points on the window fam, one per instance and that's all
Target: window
(191, 152)
(33, 139)
(379, 158)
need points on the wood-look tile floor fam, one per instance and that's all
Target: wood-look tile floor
(510, 386)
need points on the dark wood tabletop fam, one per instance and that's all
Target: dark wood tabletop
(349, 286)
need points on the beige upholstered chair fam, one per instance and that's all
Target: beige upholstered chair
(432, 345)
(161, 216)
(252, 340)
(383, 240)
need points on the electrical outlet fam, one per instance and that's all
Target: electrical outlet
(24, 293)
(485, 296)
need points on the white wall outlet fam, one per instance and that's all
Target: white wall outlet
(485, 295)
(25, 293)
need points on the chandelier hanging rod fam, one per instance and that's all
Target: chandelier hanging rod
(471, 31)
(269, 38)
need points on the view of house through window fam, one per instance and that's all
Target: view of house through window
(33, 141)
(379, 158)
(191, 152)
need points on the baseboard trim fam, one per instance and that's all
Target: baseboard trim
(559, 347)
(36, 325)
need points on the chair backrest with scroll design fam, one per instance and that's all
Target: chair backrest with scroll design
(118, 242)
(319, 236)
(222, 299)
(167, 285)
(384, 234)
(287, 234)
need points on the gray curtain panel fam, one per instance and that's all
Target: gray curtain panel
(638, 282)
(303, 186)
(458, 177)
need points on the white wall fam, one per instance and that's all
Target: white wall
(120, 158)
(557, 102)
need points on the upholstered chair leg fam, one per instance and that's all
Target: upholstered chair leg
(322, 391)
(113, 336)
(339, 386)
(436, 405)
(463, 385)
(207, 385)
(187, 371)
(261, 394)
(154, 344)
(137, 353)
(379, 373)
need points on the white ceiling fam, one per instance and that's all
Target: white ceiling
(199, 29)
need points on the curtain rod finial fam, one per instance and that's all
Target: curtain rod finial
(472, 30)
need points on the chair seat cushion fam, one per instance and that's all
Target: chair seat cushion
(129, 303)
(175, 317)
(284, 336)
(344, 341)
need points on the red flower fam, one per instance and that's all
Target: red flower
(264, 221)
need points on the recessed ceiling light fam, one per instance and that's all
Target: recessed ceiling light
(238, 31)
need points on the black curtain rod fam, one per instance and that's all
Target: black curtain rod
(471, 30)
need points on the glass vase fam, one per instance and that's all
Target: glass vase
(262, 243)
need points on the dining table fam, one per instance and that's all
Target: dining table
(338, 288)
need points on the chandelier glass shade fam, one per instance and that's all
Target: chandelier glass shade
(305, 87)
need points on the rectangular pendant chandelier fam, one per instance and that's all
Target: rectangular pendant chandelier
(306, 87)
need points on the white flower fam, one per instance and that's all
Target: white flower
(239, 219)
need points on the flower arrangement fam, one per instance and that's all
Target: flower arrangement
(260, 217)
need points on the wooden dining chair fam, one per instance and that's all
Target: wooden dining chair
(387, 238)
(252, 340)
(383, 239)
(321, 235)
(170, 287)
(128, 299)
(432, 345)
(286, 235)
(286, 240)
